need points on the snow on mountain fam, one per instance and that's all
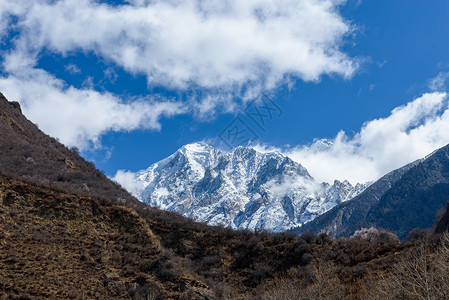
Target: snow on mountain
(242, 189)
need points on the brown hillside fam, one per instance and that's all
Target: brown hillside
(30, 155)
(55, 245)
(60, 246)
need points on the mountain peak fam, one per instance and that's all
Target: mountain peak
(322, 145)
(242, 188)
(197, 147)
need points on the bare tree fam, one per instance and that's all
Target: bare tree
(422, 274)
(325, 285)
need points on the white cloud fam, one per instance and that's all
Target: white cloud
(410, 132)
(208, 43)
(126, 180)
(220, 48)
(78, 117)
(280, 189)
(73, 69)
(439, 82)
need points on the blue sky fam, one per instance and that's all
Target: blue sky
(131, 82)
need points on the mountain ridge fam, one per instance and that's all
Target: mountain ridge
(340, 220)
(400, 201)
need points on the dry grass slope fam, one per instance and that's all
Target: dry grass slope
(59, 246)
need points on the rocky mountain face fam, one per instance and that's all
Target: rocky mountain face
(241, 189)
(400, 201)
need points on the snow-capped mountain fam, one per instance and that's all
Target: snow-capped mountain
(242, 189)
